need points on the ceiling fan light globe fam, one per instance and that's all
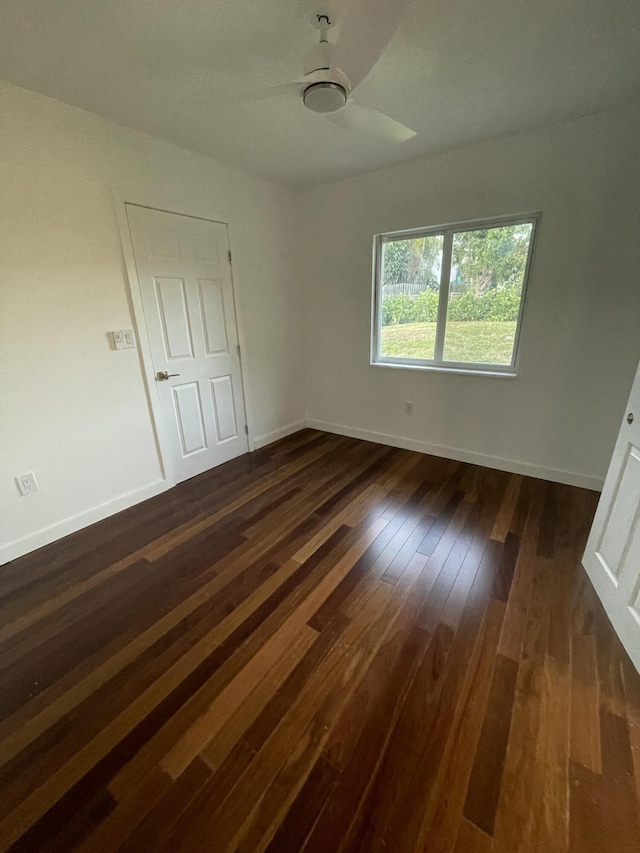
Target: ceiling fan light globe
(324, 97)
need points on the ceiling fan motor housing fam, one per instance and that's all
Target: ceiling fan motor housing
(324, 97)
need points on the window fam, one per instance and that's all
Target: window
(451, 298)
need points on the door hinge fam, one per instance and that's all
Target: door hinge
(229, 255)
(246, 429)
(238, 350)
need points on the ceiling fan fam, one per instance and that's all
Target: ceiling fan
(333, 71)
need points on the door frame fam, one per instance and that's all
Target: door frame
(134, 295)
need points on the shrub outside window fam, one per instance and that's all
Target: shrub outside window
(452, 297)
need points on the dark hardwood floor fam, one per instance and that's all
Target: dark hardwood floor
(327, 645)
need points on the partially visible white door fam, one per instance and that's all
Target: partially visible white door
(612, 555)
(184, 270)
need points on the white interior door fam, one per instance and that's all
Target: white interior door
(184, 271)
(612, 556)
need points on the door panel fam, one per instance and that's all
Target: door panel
(213, 316)
(185, 283)
(223, 403)
(172, 305)
(205, 250)
(612, 555)
(189, 416)
(160, 243)
(620, 526)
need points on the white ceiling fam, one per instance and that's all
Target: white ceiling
(456, 71)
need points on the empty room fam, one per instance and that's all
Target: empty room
(320, 426)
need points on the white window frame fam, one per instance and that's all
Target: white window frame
(447, 231)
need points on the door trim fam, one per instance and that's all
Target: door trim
(130, 271)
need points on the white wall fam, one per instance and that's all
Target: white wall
(73, 410)
(581, 335)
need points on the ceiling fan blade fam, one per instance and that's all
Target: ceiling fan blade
(364, 34)
(263, 94)
(361, 119)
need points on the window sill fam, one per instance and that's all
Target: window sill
(434, 368)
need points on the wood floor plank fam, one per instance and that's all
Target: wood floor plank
(604, 809)
(517, 790)
(325, 645)
(632, 694)
(549, 828)
(609, 662)
(471, 839)
(486, 775)
(114, 830)
(305, 809)
(634, 740)
(560, 618)
(448, 558)
(484, 513)
(504, 575)
(155, 821)
(515, 621)
(394, 810)
(502, 523)
(585, 747)
(446, 800)
(548, 522)
(358, 741)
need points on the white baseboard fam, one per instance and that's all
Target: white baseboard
(556, 475)
(13, 550)
(276, 435)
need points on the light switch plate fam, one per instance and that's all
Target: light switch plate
(129, 338)
(118, 338)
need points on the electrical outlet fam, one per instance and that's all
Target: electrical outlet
(118, 339)
(129, 338)
(27, 483)
(408, 408)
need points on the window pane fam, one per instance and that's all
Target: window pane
(409, 296)
(485, 290)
